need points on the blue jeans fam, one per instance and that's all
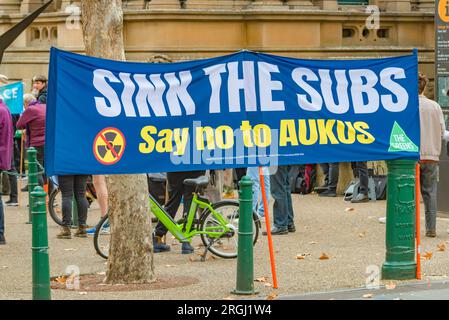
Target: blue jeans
(281, 192)
(253, 173)
(2, 216)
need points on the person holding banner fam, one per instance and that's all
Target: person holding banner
(6, 139)
(433, 129)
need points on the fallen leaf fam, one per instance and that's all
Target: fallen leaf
(367, 296)
(83, 293)
(267, 284)
(349, 209)
(61, 280)
(427, 255)
(390, 286)
(312, 242)
(170, 265)
(362, 235)
(261, 279)
(324, 256)
(300, 257)
(272, 296)
(192, 259)
(103, 273)
(70, 249)
(441, 247)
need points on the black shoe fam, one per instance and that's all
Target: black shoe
(328, 193)
(321, 189)
(12, 203)
(360, 198)
(159, 245)
(431, 234)
(291, 228)
(24, 189)
(187, 248)
(276, 231)
(2, 239)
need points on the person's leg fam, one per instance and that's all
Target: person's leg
(429, 179)
(325, 168)
(82, 204)
(189, 190)
(253, 174)
(279, 193)
(102, 193)
(2, 217)
(266, 180)
(362, 169)
(291, 222)
(334, 171)
(66, 186)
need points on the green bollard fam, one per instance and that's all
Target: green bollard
(245, 262)
(41, 266)
(400, 261)
(32, 178)
(74, 214)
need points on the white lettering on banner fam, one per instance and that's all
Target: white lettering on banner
(9, 94)
(163, 95)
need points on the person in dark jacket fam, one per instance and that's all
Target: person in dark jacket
(6, 139)
(40, 88)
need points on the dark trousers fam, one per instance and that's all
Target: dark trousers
(282, 195)
(176, 190)
(331, 172)
(73, 186)
(360, 170)
(429, 182)
(42, 178)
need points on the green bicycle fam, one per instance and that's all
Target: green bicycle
(217, 225)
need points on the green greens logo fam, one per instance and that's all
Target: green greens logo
(400, 142)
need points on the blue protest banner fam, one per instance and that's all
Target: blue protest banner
(12, 95)
(243, 109)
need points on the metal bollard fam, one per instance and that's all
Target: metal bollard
(32, 178)
(400, 236)
(245, 261)
(41, 266)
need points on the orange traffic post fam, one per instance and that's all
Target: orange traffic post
(418, 222)
(267, 224)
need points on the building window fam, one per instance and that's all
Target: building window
(353, 2)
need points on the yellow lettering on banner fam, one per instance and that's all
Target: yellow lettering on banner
(227, 141)
(148, 145)
(313, 133)
(181, 140)
(341, 128)
(325, 129)
(246, 130)
(288, 133)
(166, 143)
(205, 133)
(259, 131)
(365, 137)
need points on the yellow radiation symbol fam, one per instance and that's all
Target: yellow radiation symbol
(109, 145)
(443, 10)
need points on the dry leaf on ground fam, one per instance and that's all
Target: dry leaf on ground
(267, 284)
(272, 296)
(390, 286)
(300, 257)
(368, 295)
(441, 247)
(362, 235)
(103, 273)
(312, 242)
(324, 256)
(427, 255)
(83, 293)
(349, 209)
(261, 279)
(170, 265)
(70, 249)
(61, 280)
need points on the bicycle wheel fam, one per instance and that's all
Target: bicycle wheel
(225, 245)
(102, 237)
(55, 206)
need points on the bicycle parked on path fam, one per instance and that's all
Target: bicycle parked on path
(217, 225)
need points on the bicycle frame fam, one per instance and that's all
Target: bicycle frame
(183, 231)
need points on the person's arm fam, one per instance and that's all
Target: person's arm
(26, 117)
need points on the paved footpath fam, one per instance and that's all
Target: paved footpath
(354, 240)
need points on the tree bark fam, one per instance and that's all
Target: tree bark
(131, 250)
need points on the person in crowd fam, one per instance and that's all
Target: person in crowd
(33, 120)
(253, 174)
(40, 88)
(102, 197)
(214, 190)
(283, 208)
(433, 129)
(331, 172)
(176, 191)
(73, 186)
(6, 140)
(361, 171)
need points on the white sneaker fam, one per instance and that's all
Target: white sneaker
(383, 220)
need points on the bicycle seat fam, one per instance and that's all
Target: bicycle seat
(197, 182)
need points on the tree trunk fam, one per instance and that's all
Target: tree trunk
(131, 251)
